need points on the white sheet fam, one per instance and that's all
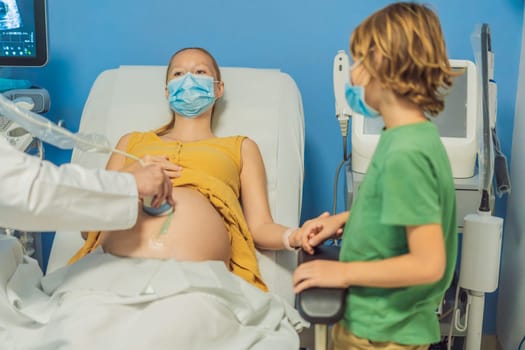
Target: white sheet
(106, 302)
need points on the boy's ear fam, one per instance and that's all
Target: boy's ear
(377, 57)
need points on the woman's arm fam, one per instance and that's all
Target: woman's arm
(117, 161)
(254, 199)
(266, 233)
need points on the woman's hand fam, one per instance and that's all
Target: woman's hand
(171, 169)
(331, 227)
(315, 231)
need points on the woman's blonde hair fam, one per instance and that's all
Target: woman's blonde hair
(407, 37)
(171, 123)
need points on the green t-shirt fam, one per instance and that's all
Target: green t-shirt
(408, 182)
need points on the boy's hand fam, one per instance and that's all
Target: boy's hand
(317, 230)
(331, 227)
(320, 273)
(309, 229)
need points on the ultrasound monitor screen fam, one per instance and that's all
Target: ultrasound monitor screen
(23, 33)
(451, 122)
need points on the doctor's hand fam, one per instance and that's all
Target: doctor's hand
(152, 181)
(171, 169)
(321, 273)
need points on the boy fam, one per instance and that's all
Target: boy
(399, 245)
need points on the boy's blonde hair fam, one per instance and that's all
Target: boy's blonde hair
(414, 62)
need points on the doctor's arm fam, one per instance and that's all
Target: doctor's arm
(39, 196)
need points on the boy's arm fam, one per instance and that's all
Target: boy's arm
(423, 264)
(331, 226)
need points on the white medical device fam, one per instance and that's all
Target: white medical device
(34, 100)
(24, 33)
(479, 272)
(482, 234)
(457, 125)
(17, 136)
(341, 77)
(481, 238)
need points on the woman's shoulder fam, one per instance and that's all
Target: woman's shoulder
(231, 140)
(143, 135)
(242, 145)
(232, 137)
(248, 146)
(243, 141)
(133, 137)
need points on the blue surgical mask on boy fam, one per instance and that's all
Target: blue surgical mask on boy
(355, 96)
(191, 95)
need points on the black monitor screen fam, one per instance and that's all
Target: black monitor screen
(23, 33)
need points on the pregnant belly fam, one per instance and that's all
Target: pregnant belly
(196, 232)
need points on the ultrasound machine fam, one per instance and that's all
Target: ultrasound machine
(23, 43)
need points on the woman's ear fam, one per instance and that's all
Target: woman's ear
(166, 93)
(219, 89)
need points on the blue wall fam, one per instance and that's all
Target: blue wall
(299, 37)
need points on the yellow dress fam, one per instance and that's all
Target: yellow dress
(213, 168)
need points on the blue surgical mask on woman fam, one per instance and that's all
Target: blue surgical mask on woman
(191, 95)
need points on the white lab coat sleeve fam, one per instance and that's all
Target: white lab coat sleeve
(36, 195)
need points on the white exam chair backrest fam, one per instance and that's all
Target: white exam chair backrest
(264, 104)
